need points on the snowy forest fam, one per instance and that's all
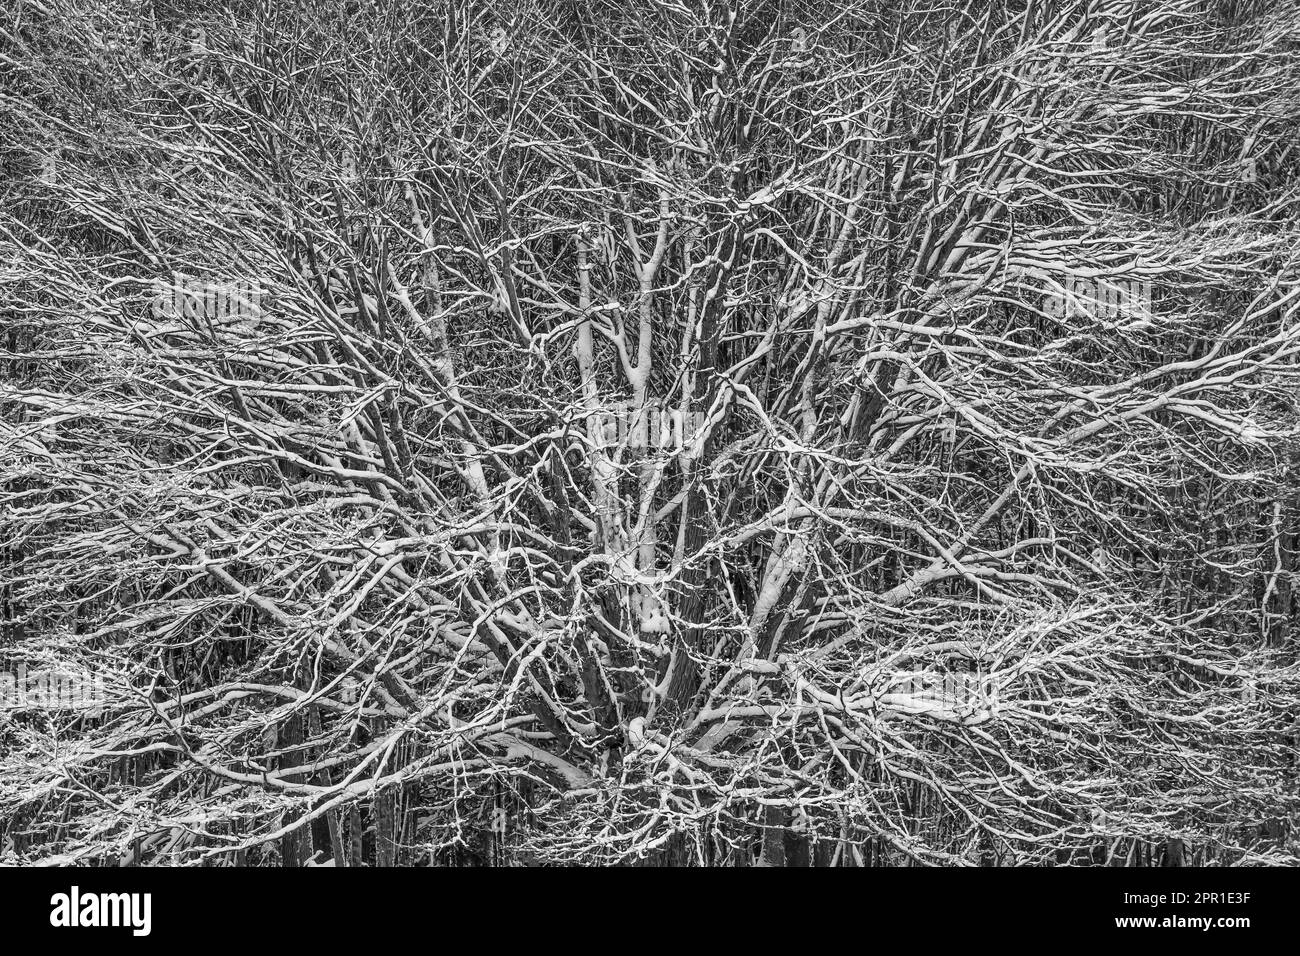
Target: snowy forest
(650, 433)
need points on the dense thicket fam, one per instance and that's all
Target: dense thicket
(835, 433)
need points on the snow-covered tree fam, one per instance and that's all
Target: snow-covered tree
(687, 432)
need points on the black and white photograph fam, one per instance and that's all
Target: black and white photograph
(463, 434)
